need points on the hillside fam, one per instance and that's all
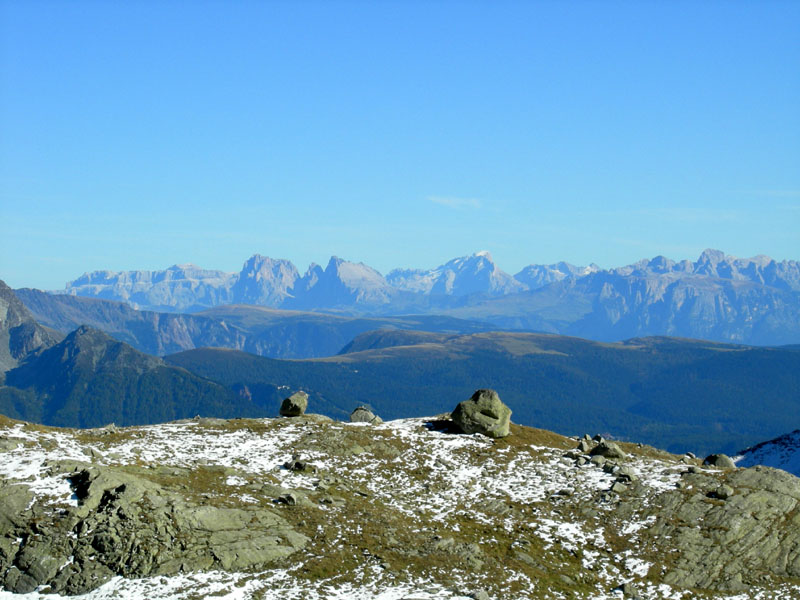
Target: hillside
(20, 334)
(313, 509)
(672, 393)
(255, 329)
(90, 379)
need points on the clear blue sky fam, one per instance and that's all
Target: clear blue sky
(137, 135)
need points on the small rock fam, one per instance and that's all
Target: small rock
(298, 465)
(295, 405)
(626, 474)
(289, 499)
(364, 415)
(608, 449)
(598, 438)
(598, 460)
(723, 492)
(480, 595)
(722, 461)
(584, 446)
(619, 488)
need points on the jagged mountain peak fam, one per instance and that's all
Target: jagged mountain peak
(711, 256)
(537, 276)
(264, 281)
(471, 274)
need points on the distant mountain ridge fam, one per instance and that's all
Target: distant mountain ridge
(20, 334)
(259, 330)
(89, 379)
(717, 297)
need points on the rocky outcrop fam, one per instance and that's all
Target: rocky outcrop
(483, 413)
(728, 534)
(295, 405)
(127, 524)
(333, 509)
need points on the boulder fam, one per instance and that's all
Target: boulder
(609, 450)
(295, 405)
(723, 461)
(364, 415)
(483, 413)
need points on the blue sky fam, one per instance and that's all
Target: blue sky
(139, 135)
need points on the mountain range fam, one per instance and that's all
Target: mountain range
(717, 297)
(673, 393)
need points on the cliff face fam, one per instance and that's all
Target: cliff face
(404, 509)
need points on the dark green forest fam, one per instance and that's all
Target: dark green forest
(675, 394)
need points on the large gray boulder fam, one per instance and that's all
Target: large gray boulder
(722, 461)
(364, 415)
(608, 450)
(483, 413)
(295, 405)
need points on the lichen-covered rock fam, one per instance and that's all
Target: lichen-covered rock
(723, 461)
(127, 525)
(483, 413)
(608, 450)
(364, 415)
(749, 537)
(295, 405)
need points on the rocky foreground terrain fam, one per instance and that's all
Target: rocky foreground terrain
(310, 508)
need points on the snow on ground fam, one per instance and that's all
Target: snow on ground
(782, 453)
(28, 462)
(280, 585)
(460, 473)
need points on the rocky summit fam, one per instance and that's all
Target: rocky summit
(306, 507)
